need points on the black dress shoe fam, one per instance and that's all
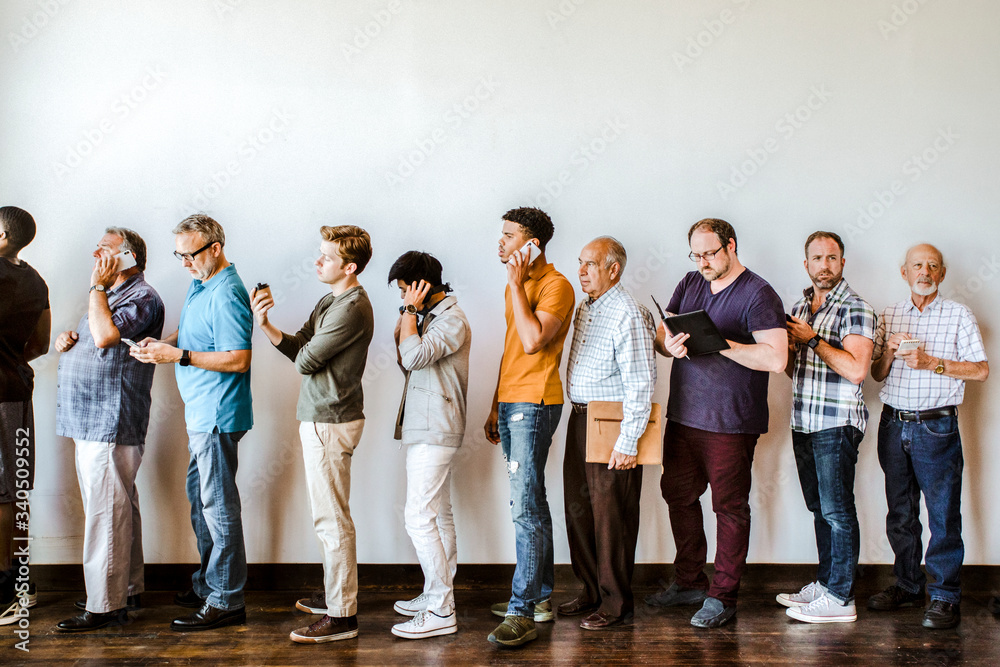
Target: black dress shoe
(209, 617)
(601, 621)
(577, 607)
(132, 603)
(189, 599)
(941, 615)
(90, 621)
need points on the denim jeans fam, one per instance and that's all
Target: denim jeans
(924, 456)
(826, 460)
(216, 519)
(526, 434)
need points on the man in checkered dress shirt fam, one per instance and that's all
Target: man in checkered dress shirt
(611, 359)
(831, 336)
(919, 446)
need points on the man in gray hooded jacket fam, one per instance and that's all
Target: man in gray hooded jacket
(433, 340)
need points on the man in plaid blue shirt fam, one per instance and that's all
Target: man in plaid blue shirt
(611, 359)
(830, 339)
(103, 404)
(919, 446)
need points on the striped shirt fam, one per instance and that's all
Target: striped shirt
(103, 395)
(948, 330)
(821, 398)
(612, 359)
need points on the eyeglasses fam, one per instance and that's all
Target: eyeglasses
(189, 256)
(697, 257)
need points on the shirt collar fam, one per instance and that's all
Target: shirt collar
(128, 281)
(215, 280)
(611, 294)
(839, 292)
(931, 306)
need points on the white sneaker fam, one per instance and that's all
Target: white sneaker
(824, 610)
(411, 607)
(426, 624)
(27, 600)
(809, 592)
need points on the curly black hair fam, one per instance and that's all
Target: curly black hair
(535, 222)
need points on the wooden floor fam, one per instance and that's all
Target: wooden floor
(761, 634)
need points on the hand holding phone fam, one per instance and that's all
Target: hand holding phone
(530, 251)
(126, 260)
(130, 342)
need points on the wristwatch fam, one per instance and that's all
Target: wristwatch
(411, 309)
(99, 288)
(940, 367)
(813, 342)
(185, 358)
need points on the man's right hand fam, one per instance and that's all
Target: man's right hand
(675, 345)
(261, 303)
(492, 426)
(894, 340)
(66, 340)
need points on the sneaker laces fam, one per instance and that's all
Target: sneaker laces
(417, 600)
(812, 588)
(419, 620)
(315, 627)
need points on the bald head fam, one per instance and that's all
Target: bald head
(923, 269)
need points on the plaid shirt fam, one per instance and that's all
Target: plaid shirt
(612, 359)
(949, 331)
(104, 394)
(822, 399)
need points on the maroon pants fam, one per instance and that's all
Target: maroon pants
(602, 521)
(693, 460)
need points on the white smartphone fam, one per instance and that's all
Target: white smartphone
(530, 252)
(130, 342)
(126, 260)
(909, 345)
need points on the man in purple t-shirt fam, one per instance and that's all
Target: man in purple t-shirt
(716, 411)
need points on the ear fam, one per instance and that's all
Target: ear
(216, 251)
(351, 268)
(944, 271)
(902, 271)
(616, 271)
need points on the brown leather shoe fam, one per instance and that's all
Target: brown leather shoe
(326, 629)
(601, 621)
(577, 607)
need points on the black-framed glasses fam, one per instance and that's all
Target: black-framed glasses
(189, 256)
(693, 256)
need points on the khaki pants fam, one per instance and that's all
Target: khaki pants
(326, 451)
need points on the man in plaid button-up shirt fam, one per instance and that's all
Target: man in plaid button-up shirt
(103, 404)
(830, 340)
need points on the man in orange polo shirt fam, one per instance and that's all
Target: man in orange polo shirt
(526, 410)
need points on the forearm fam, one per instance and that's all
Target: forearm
(171, 339)
(230, 361)
(102, 326)
(881, 366)
(38, 344)
(272, 332)
(843, 363)
(529, 329)
(790, 363)
(973, 371)
(407, 326)
(757, 356)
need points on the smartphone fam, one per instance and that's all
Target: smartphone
(130, 342)
(788, 318)
(126, 260)
(909, 345)
(530, 252)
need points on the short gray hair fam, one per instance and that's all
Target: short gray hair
(614, 252)
(210, 230)
(133, 242)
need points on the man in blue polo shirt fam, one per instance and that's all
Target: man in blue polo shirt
(212, 351)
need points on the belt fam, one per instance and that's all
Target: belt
(922, 415)
(579, 408)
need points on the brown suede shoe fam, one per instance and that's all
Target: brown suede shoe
(326, 629)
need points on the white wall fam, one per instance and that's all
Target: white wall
(626, 118)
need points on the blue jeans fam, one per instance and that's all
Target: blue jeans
(826, 460)
(526, 434)
(924, 456)
(216, 519)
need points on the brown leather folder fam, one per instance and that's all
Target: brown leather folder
(604, 423)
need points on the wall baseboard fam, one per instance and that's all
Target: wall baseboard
(306, 576)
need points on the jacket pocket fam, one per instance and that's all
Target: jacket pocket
(432, 393)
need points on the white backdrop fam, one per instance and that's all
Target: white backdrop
(424, 122)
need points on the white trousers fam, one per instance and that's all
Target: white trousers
(326, 451)
(429, 521)
(112, 534)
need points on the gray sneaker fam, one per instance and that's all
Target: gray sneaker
(809, 592)
(675, 596)
(824, 609)
(712, 614)
(543, 611)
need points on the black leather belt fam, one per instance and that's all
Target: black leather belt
(579, 408)
(922, 415)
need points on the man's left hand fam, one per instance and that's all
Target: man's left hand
(918, 359)
(799, 331)
(517, 269)
(105, 272)
(416, 293)
(621, 461)
(156, 352)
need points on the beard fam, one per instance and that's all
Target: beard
(924, 289)
(709, 273)
(826, 281)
